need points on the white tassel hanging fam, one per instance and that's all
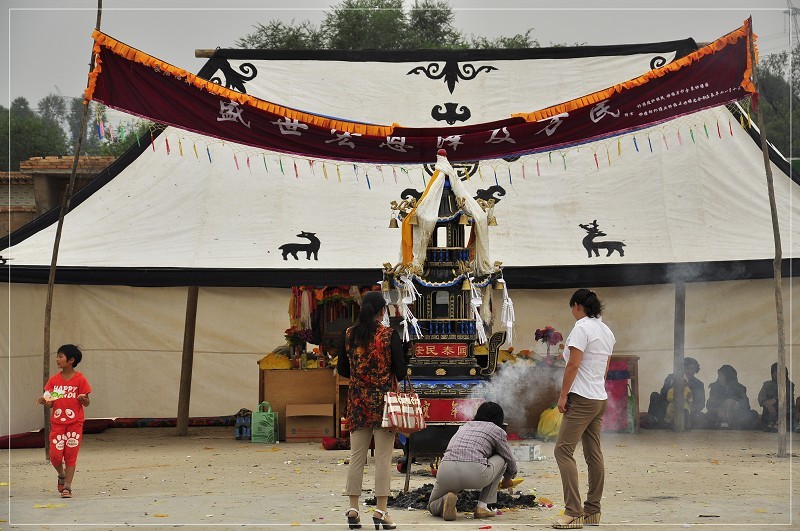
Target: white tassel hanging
(409, 295)
(305, 309)
(476, 302)
(507, 313)
(387, 297)
(355, 294)
(486, 308)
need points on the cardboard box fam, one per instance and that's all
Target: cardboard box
(309, 422)
(527, 452)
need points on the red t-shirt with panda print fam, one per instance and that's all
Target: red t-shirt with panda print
(67, 409)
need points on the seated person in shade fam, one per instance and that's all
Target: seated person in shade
(694, 397)
(728, 405)
(768, 400)
(477, 457)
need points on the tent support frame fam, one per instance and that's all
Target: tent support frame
(776, 266)
(48, 309)
(187, 359)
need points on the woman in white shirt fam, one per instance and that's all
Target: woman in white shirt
(583, 401)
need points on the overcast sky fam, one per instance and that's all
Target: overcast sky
(49, 41)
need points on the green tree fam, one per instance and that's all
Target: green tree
(520, 40)
(366, 24)
(53, 108)
(31, 135)
(380, 25)
(276, 35)
(430, 25)
(779, 98)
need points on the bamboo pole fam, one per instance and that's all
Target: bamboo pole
(187, 360)
(678, 423)
(776, 268)
(48, 308)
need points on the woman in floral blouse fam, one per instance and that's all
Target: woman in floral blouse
(372, 357)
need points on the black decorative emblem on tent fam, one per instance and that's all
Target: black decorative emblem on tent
(233, 80)
(657, 62)
(312, 247)
(592, 232)
(493, 192)
(408, 193)
(465, 170)
(451, 72)
(451, 114)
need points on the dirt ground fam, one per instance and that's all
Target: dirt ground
(139, 477)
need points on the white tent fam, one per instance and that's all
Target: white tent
(686, 198)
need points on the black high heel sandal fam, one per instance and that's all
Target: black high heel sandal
(353, 521)
(382, 520)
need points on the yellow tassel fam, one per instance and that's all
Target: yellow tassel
(195, 151)
(338, 173)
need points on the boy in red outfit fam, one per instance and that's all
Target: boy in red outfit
(67, 393)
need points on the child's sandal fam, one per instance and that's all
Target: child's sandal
(60, 485)
(66, 493)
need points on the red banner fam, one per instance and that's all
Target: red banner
(449, 409)
(441, 350)
(137, 83)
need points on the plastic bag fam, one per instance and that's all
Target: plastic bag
(549, 423)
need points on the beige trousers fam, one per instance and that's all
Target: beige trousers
(581, 422)
(359, 446)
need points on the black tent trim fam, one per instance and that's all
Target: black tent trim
(680, 47)
(544, 277)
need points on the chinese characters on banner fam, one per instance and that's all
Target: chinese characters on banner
(139, 84)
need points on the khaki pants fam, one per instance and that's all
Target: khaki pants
(581, 422)
(359, 446)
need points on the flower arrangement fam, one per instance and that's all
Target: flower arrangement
(298, 336)
(549, 336)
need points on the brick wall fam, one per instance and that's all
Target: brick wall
(40, 185)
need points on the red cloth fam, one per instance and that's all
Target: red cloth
(68, 410)
(169, 97)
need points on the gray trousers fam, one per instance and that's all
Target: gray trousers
(359, 446)
(454, 476)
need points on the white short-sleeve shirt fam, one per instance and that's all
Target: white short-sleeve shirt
(596, 340)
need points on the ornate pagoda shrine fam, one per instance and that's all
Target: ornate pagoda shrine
(444, 282)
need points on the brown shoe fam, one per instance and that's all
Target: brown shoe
(449, 509)
(483, 513)
(566, 521)
(591, 519)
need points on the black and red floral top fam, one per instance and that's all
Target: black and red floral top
(372, 371)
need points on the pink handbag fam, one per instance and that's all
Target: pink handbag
(402, 412)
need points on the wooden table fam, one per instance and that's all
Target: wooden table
(297, 386)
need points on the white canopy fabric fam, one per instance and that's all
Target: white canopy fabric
(691, 191)
(687, 199)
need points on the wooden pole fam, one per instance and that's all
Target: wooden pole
(187, 359)
(51, 280)
(678, 423)
(776, 269)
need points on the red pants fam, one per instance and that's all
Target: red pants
(65, 442)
